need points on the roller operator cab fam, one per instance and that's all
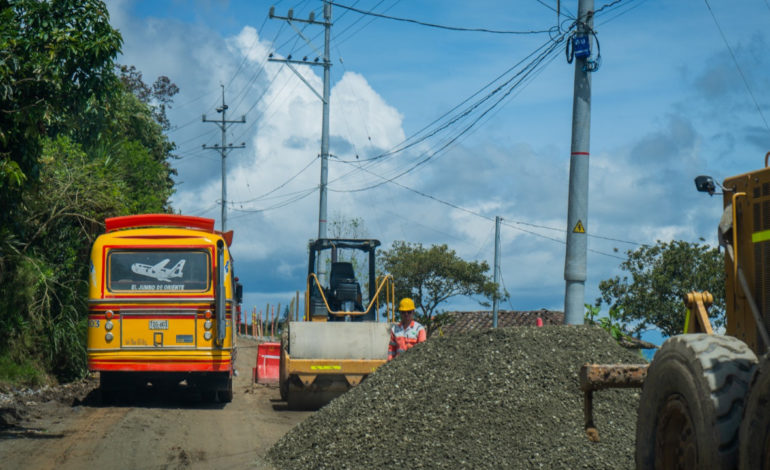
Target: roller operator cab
(162, 301)
(346, 326)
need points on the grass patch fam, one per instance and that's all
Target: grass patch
(15, 373)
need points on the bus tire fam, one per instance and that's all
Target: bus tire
(226, 396)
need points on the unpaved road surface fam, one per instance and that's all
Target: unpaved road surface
(172, 430)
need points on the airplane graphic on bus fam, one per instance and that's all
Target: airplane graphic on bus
(159, 270)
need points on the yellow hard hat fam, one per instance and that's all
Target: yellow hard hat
(406, 305)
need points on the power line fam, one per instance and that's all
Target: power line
(737, 66)
(408, 142)
(523, 74)
(606, 6)
(342, 40)
(296, 198)
(558, 11)
(482, 216)
(263, 196)
(433, 25)
(246, 55)
(338, 35)
(631, 6)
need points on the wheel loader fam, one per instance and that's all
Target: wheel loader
(344, 335)
(705, 401)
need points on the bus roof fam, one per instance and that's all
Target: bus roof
(159, 220)
(165, 220)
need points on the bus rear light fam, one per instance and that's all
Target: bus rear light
(207, 336)
(108, 325)
(207, 314)
(109, 314)
(207, 325)
(108, 337)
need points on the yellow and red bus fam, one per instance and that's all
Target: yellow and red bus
(163, 299)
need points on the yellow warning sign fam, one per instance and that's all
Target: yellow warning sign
(579, 227)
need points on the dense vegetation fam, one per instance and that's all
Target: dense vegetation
(81, 139)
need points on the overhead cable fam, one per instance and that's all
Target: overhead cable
(298, 197)
(439, 26)
(737, 66)
(482, 216)
(262, 196)
(408, 142)
(522, 75)
(340, 37)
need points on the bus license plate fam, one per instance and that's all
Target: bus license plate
(159, 324)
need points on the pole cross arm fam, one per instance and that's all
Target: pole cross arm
(226, 147)
(296, 72)
(300, 20)
(239, 121)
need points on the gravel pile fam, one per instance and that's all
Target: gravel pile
(504, 398)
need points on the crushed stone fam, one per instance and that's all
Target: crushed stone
(502, 398)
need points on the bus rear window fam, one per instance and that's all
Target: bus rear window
(158, 270)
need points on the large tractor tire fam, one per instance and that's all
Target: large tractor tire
(692, 403)
(755, 429)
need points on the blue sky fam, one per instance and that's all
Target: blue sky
(668, 103)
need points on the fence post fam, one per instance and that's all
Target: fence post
(290, 316)
(277, 317)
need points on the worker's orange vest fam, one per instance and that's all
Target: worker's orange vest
(402, 338)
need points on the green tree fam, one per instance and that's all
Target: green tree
(79, 141)
(157, 97)
(658, 277)
(43, 294)
(343, 227)
(433, 275)
(55, 59)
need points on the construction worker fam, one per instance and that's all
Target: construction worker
(408, 332)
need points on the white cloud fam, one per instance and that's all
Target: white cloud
(649, 139)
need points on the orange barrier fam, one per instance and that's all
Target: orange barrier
(268, 362)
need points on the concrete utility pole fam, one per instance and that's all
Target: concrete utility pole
(577, 212)
(223, 149)
(495, 301)
(326, 64)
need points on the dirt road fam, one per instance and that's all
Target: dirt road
(175, 430)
